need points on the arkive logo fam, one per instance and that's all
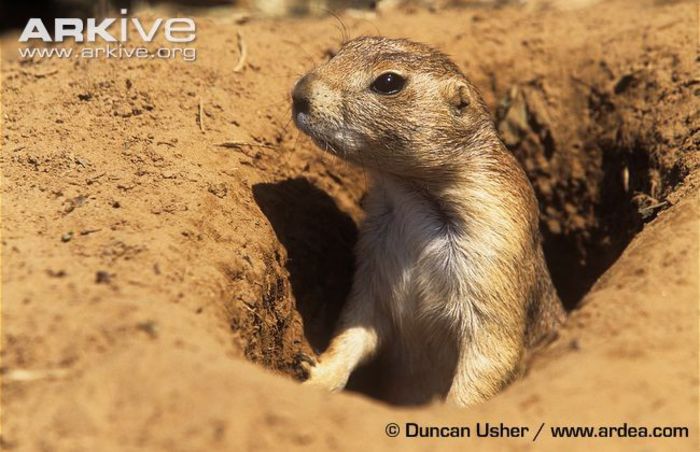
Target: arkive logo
(174, 30)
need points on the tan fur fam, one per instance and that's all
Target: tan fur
(451, 282)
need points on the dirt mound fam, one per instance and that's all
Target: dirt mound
(163, 221)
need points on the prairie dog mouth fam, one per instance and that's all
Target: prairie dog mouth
(301, 120)
(334, 140)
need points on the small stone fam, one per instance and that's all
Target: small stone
(149, 327)
(56, 273)
(103, 277)
(554, 226)
(574, 345)
(218, 190)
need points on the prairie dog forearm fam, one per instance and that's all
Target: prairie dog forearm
(355, 342)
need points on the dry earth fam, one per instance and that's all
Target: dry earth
(145, 264)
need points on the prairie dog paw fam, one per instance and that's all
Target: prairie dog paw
(306, 363)
(330, 378)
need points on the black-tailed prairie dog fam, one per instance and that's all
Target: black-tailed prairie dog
(451, 283)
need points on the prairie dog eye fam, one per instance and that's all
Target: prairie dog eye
(388, 83)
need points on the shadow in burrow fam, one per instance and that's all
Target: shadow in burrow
(319, 239)
(578, 257)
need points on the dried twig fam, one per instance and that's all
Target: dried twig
(26, 375)
(241, 18)
(239, 144)
(201, 115)
(40, 74)
(653, 207)
(242, 53)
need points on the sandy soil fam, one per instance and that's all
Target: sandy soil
(158, 284)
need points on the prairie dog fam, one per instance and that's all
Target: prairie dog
(451, 283)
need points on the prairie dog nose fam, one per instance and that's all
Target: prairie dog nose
(301, 94)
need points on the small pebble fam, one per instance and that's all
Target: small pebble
(102, 277)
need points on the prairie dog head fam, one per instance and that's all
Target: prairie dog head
(392, 105)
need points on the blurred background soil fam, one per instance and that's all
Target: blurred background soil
(164, 225)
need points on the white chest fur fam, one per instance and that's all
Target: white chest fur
(414, 258)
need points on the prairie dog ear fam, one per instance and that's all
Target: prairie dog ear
(459, 96)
